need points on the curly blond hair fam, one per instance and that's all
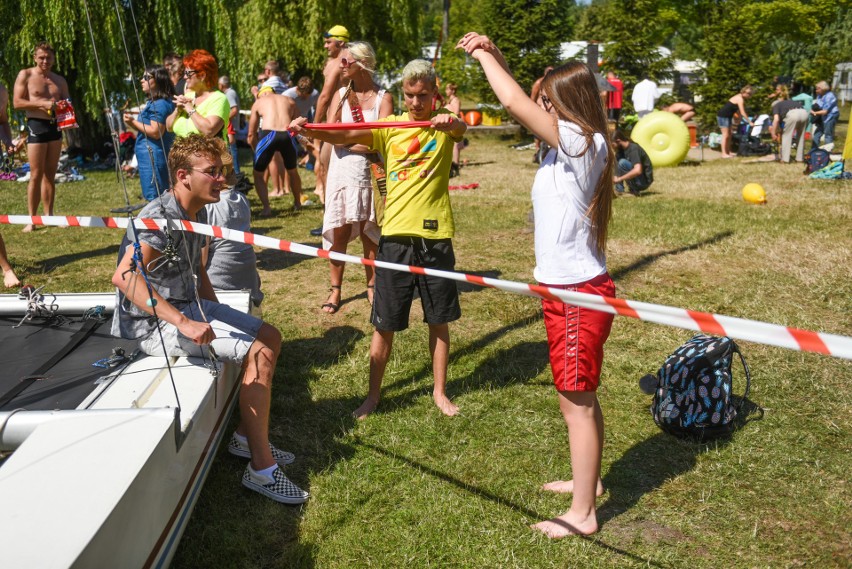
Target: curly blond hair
(186, 148)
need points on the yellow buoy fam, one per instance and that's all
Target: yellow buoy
(754, 193)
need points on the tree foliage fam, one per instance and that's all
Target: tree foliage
(242, 36)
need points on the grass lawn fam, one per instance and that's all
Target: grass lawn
(409, 487)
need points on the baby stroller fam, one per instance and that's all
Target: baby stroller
(747, 140)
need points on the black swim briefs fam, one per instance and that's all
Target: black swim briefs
(272, 141)
(42, 131)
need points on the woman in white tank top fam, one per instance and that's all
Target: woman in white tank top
(348, 188)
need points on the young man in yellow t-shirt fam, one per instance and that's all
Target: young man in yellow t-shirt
(418, 226)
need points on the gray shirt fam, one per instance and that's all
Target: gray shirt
(233, 101)
(172, 278)
(232, 265)
(305, 107)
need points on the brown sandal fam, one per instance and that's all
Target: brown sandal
(334, 307)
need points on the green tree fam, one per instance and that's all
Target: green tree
(242, 36)
(529, 34)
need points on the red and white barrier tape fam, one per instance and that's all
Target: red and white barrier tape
(739, 328)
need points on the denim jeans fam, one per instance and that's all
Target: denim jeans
(827, 129)
(635, 184)
(148, 171)
(234, 155)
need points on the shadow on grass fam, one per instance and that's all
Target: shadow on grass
(649, 464)
(311, 430)
(465, 287)
(499, 371)
(648, 259)
(47, 265)
(490, 496)
(274, 259)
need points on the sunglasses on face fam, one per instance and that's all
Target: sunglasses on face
(189, 72)
(147, 77)
(214, 172)
(545, 102)
(349, 62)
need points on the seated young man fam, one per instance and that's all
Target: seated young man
(417, 229)
(633, 167)
(189, 316)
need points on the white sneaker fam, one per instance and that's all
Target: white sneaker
(281, 457)
(827, 147)
(277, 487)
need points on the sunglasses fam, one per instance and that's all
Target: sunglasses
(214, 172)
(546, 103)
(347, 63)
(147, 77)
(189, 72)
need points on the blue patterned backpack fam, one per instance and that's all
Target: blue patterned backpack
(693, 390)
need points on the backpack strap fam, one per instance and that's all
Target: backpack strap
(736, 349)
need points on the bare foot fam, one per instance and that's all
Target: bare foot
(446, 406)
(567, 487)
(267, 212)
(28, 228)
(367, 407)
(567, 524)
(10, 279)
(276, 195)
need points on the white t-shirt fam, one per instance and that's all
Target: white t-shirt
(645, 96)
(565, 251)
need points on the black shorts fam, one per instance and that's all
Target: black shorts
(272, 141)
(42, 130)
(395, 289)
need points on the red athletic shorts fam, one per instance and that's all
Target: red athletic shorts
(576, 336)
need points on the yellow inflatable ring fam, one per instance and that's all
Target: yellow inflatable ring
(663, 136)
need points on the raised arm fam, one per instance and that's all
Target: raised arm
(511, 96)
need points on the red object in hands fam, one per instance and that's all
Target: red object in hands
(65, 117)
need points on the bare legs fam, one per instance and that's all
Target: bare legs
(726, 141)
(380, 349)
(295, 184)
(340, 241)
(10, 280)
(256, 395)
(262, 193)
(44, 160)
(583, 416)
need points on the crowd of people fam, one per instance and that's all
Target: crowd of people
(185, 150)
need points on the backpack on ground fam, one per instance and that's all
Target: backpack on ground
(816, 160)
(693, 389)
(647, 166)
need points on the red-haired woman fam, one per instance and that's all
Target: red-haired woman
(202, 108)
(572, 201)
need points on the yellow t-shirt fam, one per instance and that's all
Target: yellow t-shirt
(417, 162)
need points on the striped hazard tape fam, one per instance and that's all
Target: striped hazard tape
(739, 328)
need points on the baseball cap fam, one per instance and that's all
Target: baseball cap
(337, 32)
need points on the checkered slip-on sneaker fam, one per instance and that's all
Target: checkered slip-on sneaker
(281, 457)
(278, 487)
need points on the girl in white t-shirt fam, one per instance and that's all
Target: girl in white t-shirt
(572, 202)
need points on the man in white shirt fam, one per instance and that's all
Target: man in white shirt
(645, 95)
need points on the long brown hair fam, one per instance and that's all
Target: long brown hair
(575, 95)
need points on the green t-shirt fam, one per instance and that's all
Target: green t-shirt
(216, 104)
(417, 162)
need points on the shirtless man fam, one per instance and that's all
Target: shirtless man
(37, 90)
(5, 129)
(334, 44)
(276, 111)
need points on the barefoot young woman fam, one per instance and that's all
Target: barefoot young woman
(572, 200)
